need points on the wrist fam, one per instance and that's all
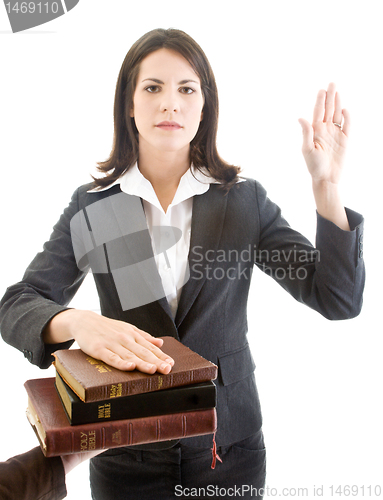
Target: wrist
(326, 192)
(329, 204)
(59, 327)
(70, 462)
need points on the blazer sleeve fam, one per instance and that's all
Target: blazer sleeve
(328, 278)
(49, 283)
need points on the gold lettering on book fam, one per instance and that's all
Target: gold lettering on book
(99, 365)
(104, 411)
(160, 381)
(116, 437)
(101, 412)
(108, 410)
(92, 440)
(88, 441)
(115, 391)
(83, 441)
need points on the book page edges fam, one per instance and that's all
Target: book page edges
(36, 426)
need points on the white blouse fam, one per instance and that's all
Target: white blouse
(172, 265)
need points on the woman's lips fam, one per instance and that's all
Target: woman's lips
(168, 125)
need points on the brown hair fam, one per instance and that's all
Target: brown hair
(203, 148)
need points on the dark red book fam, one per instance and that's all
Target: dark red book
(94, 380)
(57, 437)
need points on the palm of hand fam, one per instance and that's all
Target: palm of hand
(324, 142)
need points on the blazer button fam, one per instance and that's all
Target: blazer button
(360, 246)
(361, 249)
(28, 355)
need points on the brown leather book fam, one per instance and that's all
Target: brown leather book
(57, 437)
(93, 380)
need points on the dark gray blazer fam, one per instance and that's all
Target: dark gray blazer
(230, 234)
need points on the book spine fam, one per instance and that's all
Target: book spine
(150, 384)
(175, 400)
(130, 432)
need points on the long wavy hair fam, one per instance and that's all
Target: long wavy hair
(203, 148)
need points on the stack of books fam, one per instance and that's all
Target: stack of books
(90, 405)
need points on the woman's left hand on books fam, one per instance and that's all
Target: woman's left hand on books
(115, 342)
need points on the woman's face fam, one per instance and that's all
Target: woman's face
(167, 102)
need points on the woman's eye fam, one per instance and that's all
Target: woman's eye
(152, 89)
(186, 90)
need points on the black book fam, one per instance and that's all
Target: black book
(200, 396)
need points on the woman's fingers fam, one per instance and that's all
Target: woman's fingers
(153, 344)
(145, 355)
(319, 107)
(130, 359)
(307, 133)
(154, 340)
(337, 118)
(120, 344)
(138, 345)
(329, 108)
(346, 122)
(129, 351)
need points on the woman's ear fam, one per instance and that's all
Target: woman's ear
(131, 113)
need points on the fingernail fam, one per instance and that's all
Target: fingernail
(170, 361)
(163, 366)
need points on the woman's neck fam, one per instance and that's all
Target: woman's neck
(164, 171)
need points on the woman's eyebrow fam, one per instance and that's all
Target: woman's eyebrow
(153, 80)
(182, 82)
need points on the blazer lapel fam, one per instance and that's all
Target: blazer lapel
(207, 222)
(119, 223)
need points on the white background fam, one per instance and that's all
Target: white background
(319, 381)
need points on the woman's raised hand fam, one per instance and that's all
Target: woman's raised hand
(325, 140)
(324, 149)
(117, 343)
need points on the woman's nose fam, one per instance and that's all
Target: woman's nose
(170, 102)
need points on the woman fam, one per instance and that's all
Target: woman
(164, 172)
